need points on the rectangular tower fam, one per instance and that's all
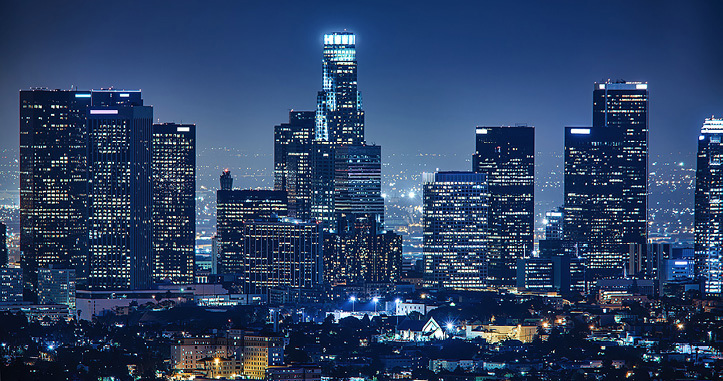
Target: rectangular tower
(120, 190)
(339, 114)
(624, 105)
(455, 230)
(708, 209)
(292, 161)
(281, 253)
(507, 156)
(236, 207)
(594, 205)
(174, 202)
(53, 230)
(358, 182)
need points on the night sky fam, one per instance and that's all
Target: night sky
(428, 71)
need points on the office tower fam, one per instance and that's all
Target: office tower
(53, 213)
(624, 105)
(645, 261)
(553, 224)
(339, 115)
(455, 230)
(120, 202)
(593, 220)
(362, 254)
(555, 242)
(554, 273)
(292, 161)
(708, 211)
(11, 285)
(280, 253)
(174, 202)
(226, 180)
(3, 245)
(260, 352)
(358, 182)
(507, 156)
(322, 183)
(233, 209)
(57, 286)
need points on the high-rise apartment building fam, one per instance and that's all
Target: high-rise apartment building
(708, 207)
(455, 232)
(339, 114)
(507, 156)
(119, 139)
(174, 202)
(53, 212)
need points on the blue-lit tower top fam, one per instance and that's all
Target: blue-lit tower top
(339, 114)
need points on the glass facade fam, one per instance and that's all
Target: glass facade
(174, 202)
(280, 253)
(507, 156)
(455, 230)
(120, 190)
(708, 206)
(593, 217)
(53, 201)
(292, 161)
(236, 207)
(339, 114)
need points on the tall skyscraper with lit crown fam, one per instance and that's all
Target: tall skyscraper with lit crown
(339, 114)
(708, 206)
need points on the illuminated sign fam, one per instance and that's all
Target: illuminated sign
(103, 112)
(580, 131)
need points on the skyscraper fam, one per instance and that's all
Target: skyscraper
(292, 161)
(119, 190)
(606, 174)
(53, 215)
(174, 202)
(322, 183)
(339, 115)
(507, 156)
(624, 105)
(280, 253)
(57, 286)
(593, 198)
(234, 208)
(360, 253)
(358, 182)
(708, 210)
(455, 230)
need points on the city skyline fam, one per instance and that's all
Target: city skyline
(490, 92)
(429, 230)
